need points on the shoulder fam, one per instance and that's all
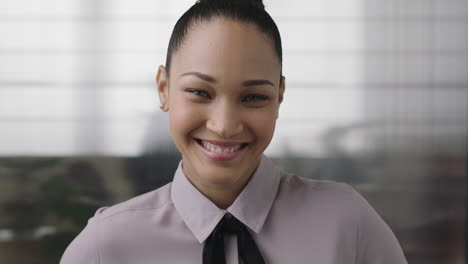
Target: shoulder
(347, 210)
(322, 199)
(323, 190)
(114, 221)
(150, 201)
(340, 206)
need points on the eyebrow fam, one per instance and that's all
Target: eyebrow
(213, 80)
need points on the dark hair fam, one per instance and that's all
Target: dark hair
(249, 11)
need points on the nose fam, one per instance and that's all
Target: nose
(225, 121)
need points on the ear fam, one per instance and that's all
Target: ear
(162, 81)
(282, 86)
(281, 89)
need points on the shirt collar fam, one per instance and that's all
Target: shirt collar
(251, 206)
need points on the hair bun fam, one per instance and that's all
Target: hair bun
(256, 3)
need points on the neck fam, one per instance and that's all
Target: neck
(222, 197)
(222, 194)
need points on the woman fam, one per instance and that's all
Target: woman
(222, 87)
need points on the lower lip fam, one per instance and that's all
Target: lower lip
(221, 156)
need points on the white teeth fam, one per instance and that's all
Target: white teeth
(218, 149)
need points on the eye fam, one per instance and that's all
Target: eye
(255, 98)
(199, 93)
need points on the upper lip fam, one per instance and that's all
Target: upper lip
(222, 143)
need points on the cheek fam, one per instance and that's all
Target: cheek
(183, 120)
(263, 124)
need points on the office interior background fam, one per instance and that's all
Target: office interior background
(376, 96)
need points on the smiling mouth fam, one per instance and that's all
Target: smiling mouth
(228, 148)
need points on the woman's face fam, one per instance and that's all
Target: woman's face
(223, 100)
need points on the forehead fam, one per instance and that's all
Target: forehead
(225, 47)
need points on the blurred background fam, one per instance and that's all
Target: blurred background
(377, 96)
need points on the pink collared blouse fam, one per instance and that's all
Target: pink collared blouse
(293, 220)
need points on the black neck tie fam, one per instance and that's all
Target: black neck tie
(213, 251)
